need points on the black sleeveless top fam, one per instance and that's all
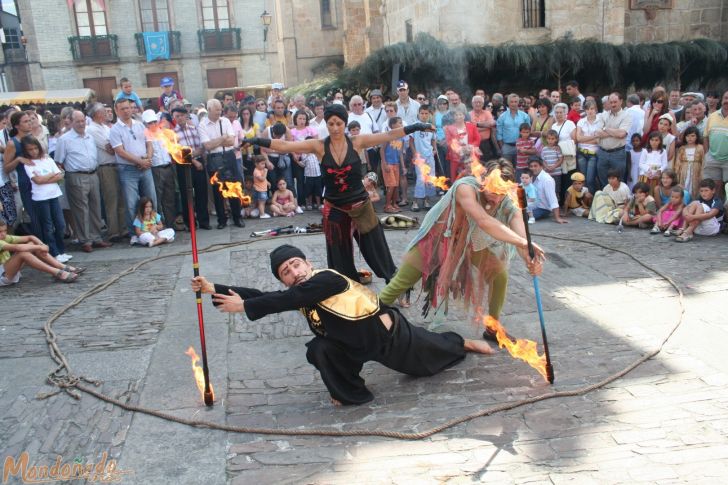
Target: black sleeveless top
(343, 184)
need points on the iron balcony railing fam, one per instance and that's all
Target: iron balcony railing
(97, 47)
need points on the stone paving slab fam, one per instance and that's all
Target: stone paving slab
(665, 422)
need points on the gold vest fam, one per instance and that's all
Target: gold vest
(356, 302)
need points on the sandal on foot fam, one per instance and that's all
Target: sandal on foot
(74, 269)
(684, 238)
(70, 277)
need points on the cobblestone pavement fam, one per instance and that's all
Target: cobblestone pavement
(665, 422)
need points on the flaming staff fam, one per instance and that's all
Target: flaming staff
(549, 368)
(439, 182)
(182, 155)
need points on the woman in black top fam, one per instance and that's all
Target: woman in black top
(347, 205)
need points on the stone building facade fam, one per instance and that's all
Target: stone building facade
(96, 43)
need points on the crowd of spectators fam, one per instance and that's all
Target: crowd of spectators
(86, 179)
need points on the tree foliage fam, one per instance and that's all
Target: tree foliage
(427, 63)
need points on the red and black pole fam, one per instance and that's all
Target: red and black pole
(187, 167)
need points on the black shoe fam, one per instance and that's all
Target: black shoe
(206, 227)
(239, 223)
(222, 225)
(489, 335)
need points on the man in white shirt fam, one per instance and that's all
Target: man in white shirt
(133, 158)
(107, 172)
(407, 108)
(318, 122)
(613, 138)
(217, 136)
(546, 201)
(572, 90)
(638, 117)
(376, 110)
(357, 113)
(76, 152)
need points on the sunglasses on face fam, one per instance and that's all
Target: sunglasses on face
(420, 98)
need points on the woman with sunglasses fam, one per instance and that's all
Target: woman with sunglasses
(658, 107)
(261, 112)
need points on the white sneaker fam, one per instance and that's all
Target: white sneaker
(299, 210)
(265, 216)
(531, 220)
(254, 213)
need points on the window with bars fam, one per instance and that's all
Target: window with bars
(155, 15)
(215, 14)
(326, 17)
(534, 14)
(90, 18)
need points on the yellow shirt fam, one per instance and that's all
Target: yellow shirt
(5, 255)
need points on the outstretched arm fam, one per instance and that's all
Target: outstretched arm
(362, 142)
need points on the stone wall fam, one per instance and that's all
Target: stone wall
(688, 19)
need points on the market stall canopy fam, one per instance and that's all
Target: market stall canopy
(47, 97)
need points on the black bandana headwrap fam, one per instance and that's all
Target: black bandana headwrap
(337, 110)
(281, 254)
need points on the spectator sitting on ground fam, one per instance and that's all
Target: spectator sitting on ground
(703, 216)
(609, 202)
(283, 203)
(370, 185)
(642, 209)
(578, 199)
(149, 227)
(18, 251)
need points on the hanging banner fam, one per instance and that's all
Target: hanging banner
(156, 45)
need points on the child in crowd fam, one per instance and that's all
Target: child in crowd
(149, 227)
(370, 185)
(653, 162)
(609, 202)
(283, 202)
(669, 218)
(662, 192)
(44, 175)
(18, 251)
(578, 199)
(128, 93)
(574, 114)
(392, 154)
(552, 159)
(689, 161)
(664, 128)
(641, 209)
(250, 211)
(424, 145)
(524, 148)
(633, 160)
(530, 189)
(354, 130)
(313, 183)
(703, 216)
(260, 184)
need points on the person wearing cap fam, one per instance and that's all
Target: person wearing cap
(275, 94)
(163, 170)
(664, 127)
(347, 212)
(407, 108)
(578, 199)
(350, 325)
(465, 243)
(168, 92)
(376, 110)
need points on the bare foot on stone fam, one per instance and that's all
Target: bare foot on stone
(478, 346)
(335, 402)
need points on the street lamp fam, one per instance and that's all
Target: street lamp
(265, 19)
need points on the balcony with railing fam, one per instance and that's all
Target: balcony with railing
(94, 47)
(214, 40)
(174, 43)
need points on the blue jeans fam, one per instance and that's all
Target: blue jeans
(50, 218)
(423, 189)
(606, 161)
(135, 183)
(539, 213)
(587, 165)
(509, 152)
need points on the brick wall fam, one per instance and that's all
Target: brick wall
(686, 20)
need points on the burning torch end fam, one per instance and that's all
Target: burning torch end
(187, 155)
(209, 399)
(549, 373)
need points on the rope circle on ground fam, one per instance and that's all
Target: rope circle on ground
(64, 379)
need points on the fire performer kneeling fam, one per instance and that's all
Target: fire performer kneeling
(350, 325)
(465, 243)
(347, 209)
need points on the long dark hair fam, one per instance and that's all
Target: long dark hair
(31, 140)
(140, 207)
(250, 120)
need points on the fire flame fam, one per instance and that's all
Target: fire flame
(199, 375)
(526, 350)
(168, 139)
(231, 190)
(439, 182)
